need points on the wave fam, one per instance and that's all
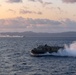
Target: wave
(69, 50)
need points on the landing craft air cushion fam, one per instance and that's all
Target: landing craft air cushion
(44, 49)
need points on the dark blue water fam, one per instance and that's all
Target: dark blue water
(15, 57)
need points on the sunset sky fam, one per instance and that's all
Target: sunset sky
(37, 15)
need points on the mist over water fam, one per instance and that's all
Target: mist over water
(10, 36)
(69, 50)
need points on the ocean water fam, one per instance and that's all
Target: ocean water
(15, 57)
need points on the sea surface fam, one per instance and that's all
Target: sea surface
(15, 57)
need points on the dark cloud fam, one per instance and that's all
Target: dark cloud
(11, 10)
(69, 1)
(40, 13)
(14, 1)
(25, 7)
(40, 1)
(46, 3)
(59, 8)
(23, 11)
(32, 0)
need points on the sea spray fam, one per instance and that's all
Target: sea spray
(69, 50)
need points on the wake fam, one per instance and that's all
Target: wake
(69, 50)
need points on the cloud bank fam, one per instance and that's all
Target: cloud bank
(20, 24)
(23, 24)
